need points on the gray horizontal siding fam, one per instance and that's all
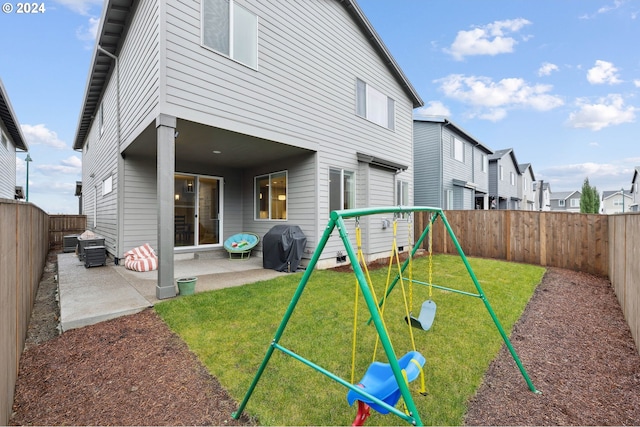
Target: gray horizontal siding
(140, 220)
(140, 70)
(7, 169)
(302, 94)
(427, 153)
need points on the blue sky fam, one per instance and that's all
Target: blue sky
(558, 81)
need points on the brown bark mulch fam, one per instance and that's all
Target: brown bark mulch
(572, 339)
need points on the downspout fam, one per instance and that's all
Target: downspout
(120, 159)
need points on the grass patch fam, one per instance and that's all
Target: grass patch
(231, 329)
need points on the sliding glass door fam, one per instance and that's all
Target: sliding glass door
(197, 210)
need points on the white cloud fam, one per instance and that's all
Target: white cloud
(547, 68)
(495, 98)
(70, 165)
(80, 6)
(636, 83)
(89, 32)
(491, 39)
(603, 73)
(616, 4)
(608, 111)
(608, 8)
(39, 134)
(434, 108)
(604, 176)
(594, 144)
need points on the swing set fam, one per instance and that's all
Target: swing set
(383, 384)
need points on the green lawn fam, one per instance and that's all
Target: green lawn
(231, 329)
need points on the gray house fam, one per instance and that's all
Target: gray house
(615, 202)
(205, 118)
(635, 196)
(568, 201)
(542, 195)
(526, 178)
(504, 191)
(11, 140)
(451, 167)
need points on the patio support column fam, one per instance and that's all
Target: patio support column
(165, 130)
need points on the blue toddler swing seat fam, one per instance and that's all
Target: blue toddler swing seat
(241, 244)
(380, 382)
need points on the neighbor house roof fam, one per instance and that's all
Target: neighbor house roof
(563, 195)
(636, 174)
(607, 194)
(501, 153)
(523, 167)
(10, 121)
(448, 122)
(115, 21)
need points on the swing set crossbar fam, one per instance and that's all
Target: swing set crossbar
(361, 391)
(444, 288)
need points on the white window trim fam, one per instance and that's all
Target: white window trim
(402, 192)
(101, 118)
(256, 192)
(454, 149)
(232, 5)
(561, 203)
(369, 91)
(107, 185)
(343, 189)
(512, 178)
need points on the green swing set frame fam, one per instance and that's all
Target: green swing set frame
(336, 221)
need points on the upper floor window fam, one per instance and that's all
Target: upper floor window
(375, 106)
(501, 169)
(342, 189)
(101, 118)
(561, 202)
(271, 196)
(458, 149)
(512, 177)
(3, 138)
(231, 30)
(575, 203)
(484, 163)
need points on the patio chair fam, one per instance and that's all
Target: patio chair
(240, 245)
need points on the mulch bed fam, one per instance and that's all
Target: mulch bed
(133, 370)
(577, 349)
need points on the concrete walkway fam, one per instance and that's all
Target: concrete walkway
(92, 295)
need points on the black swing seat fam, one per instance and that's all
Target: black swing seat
(426, 316)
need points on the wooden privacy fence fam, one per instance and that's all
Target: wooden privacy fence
(624, 267)
(604, 245)
(558, 239)
(64, 225)
(24, 244)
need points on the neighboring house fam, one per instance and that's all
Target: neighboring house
(568, 201)
(635, 195)
(504, 191)
(526, 180)
(613, 202)
(11, 140)
(542, 195)
(451, 167)
(202, 119)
